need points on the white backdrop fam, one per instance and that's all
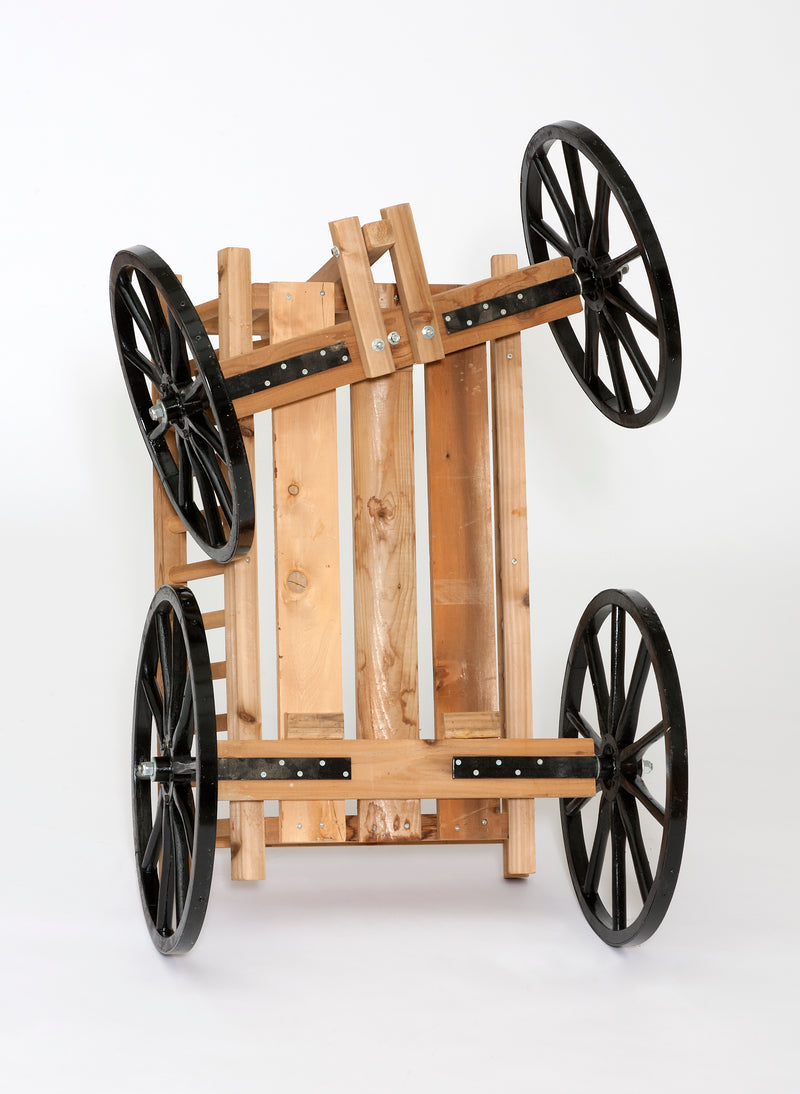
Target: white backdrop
(191, 127)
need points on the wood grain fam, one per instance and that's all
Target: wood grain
(309, 630)
(384, 582)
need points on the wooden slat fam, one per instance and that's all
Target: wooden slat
(182, 572)
(513, 582)
(384, 581)
(318, 726)
(396, 769)
(461, 551)
(218, 670)
(412, 284)
(429, 832)
(309, 639)
(243, 679)
(213, 620)
(359, 289)
(469, 724)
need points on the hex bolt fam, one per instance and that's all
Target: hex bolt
(158, 412)
(428, 331)
(146, 770)
(335, 251)
(394, 338)
(647, 767)
(378, 345)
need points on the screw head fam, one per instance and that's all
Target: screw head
(335, 251)
(647, 767)
(146, 770)
(378, 345)
(394, 338)
(428, 331)
(158, 412)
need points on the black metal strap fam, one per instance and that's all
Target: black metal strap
(234, 768)
(524, 767)
(292, 368)
(513, 303)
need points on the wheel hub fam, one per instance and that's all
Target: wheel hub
(609, 766)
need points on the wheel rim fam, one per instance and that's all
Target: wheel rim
(174, 771)
(181, 404)
(625, 349)
(631, 708)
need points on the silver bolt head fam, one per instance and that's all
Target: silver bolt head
(647, 767)
(428, 331)
(394, 338)
(158, 412)
(146, 770)
(378, 345)
(624, 269)
(335, 251)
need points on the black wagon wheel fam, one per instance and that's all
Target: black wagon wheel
(628, 702)
(174, 771)
(578, 202)
(181, 403)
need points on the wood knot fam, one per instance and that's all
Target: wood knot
(381, 509)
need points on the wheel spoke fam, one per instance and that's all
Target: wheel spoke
(182, 865)
(597, 855)
(592, 326)
(639, 791)
(616, 264)
(633, 831)
(200, 425)
(616, 697)
(620, 383)
(216, 536)
(212, 469)
(621, 326)
(598, 677)
(574, 806)
(583, 215)
(551, 236)
(553, 187)
(166, 885)
(178, 357)
(184, 804)
(629, 718)
(137, 359)
(178, 681)
(158, 320)
(598, 240)
(181, 736)
(619, 890)
(138, 313)
(158, 432)
(184, 475)
(164, 639)
(637, 749)
(154, 701)
(623, 299)
(153, 847)
(581, 726)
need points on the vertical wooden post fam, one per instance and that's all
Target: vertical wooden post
(309, 635)
(384, 582)
(243, 678)
(513, 582)
(462, 568)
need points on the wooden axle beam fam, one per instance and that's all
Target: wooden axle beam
(393, 319)
(404, 769)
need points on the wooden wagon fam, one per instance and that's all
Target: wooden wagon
(286, 347)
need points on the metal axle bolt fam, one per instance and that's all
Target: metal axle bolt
(158, 412)
(146, 770)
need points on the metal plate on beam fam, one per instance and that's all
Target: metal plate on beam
(524, 767)
(232, 769)
(513, 303)
(283, 372)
